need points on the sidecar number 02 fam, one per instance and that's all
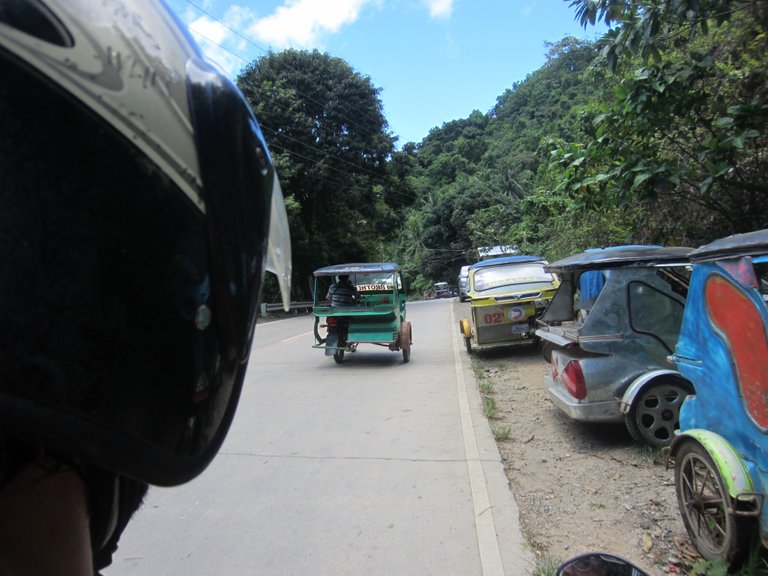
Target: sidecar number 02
(515, 314)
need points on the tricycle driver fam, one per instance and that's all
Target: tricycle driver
(343, 292)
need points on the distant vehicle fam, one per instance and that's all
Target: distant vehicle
(442, 290)
(376, 317)
(720, 453)
(507, 296)
(607, 334)
(463, 283)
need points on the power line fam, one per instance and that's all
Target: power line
(265, 51)
(338, 182)
(380, 178)
(339, 158)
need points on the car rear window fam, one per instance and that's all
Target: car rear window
(498, 277)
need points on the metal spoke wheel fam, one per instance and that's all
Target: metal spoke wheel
(706, 507)
(655, 413)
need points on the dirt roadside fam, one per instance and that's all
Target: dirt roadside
(579, 487)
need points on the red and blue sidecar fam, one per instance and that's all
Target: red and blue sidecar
(720, 453)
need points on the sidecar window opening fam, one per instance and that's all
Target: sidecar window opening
(761, 272)
(655, 313)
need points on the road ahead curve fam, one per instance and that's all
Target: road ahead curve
(372, 467)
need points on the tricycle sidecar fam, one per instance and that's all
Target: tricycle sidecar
(506, 295)
(720, 453)
(375, 315)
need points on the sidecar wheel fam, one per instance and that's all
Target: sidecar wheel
(406, 338)
(338, 356)
(705, 506)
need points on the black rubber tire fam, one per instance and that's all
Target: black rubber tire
(546, 351)
(705, 507)
(338, 356)
(406, 339)
(655, 413)
(468, 344)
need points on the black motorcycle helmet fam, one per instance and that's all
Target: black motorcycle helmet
(139, 208)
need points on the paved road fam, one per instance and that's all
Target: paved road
(374, 467)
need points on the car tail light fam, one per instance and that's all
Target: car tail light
(573, 379)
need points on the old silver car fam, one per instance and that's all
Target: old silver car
(607, 333)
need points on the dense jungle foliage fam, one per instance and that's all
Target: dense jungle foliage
(656, 133)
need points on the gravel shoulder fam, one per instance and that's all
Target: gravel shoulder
(579, 487)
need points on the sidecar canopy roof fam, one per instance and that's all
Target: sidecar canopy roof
(621, 257)
(357, 268)
(748, 244)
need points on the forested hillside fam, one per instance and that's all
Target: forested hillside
(655, 133)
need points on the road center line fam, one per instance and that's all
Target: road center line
(302, 335)
(258, 346)
(490, 556)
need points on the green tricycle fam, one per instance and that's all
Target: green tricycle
(360, 304)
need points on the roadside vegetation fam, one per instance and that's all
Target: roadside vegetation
(654, 133)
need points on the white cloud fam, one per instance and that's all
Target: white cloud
(439, 8)
(302, 23)
(209, 29)
(296, 23)
(239, 18)
(213, 37)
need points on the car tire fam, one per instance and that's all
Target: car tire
(546, 350)
(655, 412)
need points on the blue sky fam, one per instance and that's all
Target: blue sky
(434, 60)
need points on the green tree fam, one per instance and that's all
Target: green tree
(331, 144)
(687, 124)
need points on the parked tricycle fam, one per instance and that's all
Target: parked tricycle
(607, 334)
(720, 454)
(371, 311)
(506, 295)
